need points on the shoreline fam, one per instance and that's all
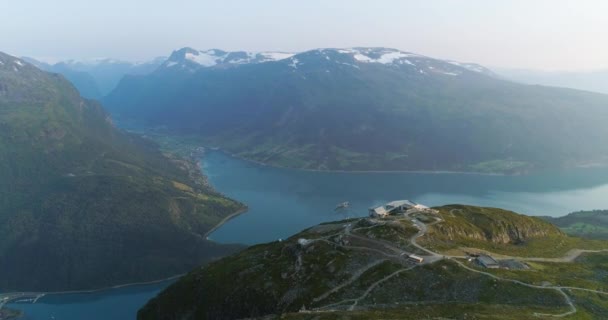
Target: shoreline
(118, 286)
(200, 143)
(223, 221)
(232, 155)
(131, 284)
(42, 294)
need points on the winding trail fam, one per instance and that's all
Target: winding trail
(352, 279)
(570, 256)
(433, 257)
(558, 289)
(375, 284)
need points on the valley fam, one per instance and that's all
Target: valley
(311, 198)
(363, 109)
(303, 160)
(99, 206)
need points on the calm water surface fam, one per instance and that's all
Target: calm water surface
(282, 202)
(111, 304)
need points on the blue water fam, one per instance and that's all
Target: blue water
(111, 304)
(282, 202)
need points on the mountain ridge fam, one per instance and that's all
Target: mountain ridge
(97, 77)
(85, 205)
(367, 108)
(189, 57)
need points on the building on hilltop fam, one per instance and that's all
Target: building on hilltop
(487, 262)
(392, 207)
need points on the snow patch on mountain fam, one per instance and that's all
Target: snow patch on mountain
(191, 59)
(214, 57)
(294, 63)
(383, 56)
(469, 66)
(390, 57)
(203, 58)
(276, 56)
(350, 65)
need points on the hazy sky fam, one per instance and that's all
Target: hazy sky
(539, 34)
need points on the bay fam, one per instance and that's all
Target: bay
(283, 202)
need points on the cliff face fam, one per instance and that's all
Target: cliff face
(489, 225)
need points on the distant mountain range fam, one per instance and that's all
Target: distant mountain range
(596, 81)
(365, 109)
(96, 78)
(188, 59)
(84, 205)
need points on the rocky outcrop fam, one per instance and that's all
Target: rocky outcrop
(489, 224)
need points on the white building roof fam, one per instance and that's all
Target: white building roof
(400, 203)
(387, 208)
(380, 211)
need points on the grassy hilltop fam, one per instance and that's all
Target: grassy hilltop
(359, 269)
(587, 224)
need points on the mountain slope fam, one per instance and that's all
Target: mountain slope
(95, 79)
(83, 81)
(359, 269)
(365, 109)
(84, 205)
(587, 224)
(596, 81)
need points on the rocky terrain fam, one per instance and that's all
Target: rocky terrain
(368, 268)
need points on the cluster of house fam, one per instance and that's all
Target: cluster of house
(395, 207)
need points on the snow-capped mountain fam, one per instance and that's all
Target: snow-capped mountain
(191, 58)
(188, 59)
(363, 109)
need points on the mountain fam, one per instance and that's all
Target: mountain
(96, 78)
(365, 109)
(596, 81)
(85, 205)
(588, 224)
(83, 81)
(382, 268)
(188, 59)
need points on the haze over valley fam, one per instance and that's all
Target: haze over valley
(311, 160)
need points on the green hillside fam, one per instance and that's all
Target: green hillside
(84, 205)
(359, 269)
(587, 224)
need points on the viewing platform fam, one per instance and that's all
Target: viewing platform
(395, 207)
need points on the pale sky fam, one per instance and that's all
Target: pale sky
(532, 34)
